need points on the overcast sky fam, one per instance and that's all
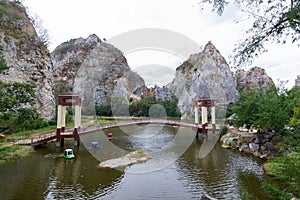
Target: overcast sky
(68, 19)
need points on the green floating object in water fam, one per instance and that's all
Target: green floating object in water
(68, 154)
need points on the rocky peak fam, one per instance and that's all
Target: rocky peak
(255, 77)
(27, 57)
(94, 69)
(205, 74)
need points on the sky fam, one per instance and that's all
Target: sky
(69, 19)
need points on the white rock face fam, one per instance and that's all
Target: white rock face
(205, 74)
(28, 60)
(93, 69)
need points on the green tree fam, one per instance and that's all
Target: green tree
(3, 65)
(294, 95)
(274, 21)
(15, 95)
(265, 109)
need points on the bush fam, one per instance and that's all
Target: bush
(224, 130)
(285, 169)
(24, 119)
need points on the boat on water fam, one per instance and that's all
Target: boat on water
(110, 136)
(68, 154)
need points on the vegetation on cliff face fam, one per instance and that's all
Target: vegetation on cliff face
(3, 65)
(15, 100)
(7, 16)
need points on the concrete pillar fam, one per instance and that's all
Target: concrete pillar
(79, 123)
(204, 115)
(213, 117)
(204, 118)
(196, 115)
(58, 125)
(77, 116)
(205, 111)
(63, 118)
(59, 117)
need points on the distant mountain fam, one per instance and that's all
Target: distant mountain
(93, 69)
(27, 57)
(255, 77)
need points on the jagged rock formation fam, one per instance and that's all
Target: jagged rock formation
(27, 57)
(205, 74)
(255, 77)
(164, 93)
(93, 69)
(297, 81)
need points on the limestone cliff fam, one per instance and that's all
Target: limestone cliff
(27, 57)
(93, 69)
(255, 77)
(205, 74)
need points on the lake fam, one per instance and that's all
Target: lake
(178, 168)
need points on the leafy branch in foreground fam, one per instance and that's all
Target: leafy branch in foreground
(274, 21)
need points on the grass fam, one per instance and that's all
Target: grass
(138, 154)
(10, 152)
(13, 153)
(286, 170)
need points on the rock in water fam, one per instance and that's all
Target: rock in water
(129, 159)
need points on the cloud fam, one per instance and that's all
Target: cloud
(67, 19)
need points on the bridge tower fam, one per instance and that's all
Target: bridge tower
(62, 103)
(204, 103)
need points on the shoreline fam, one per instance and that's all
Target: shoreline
(261, 145)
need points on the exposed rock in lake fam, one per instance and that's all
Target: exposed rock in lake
(255, 77)
(93, 69)
(129, 159)
(205, 74)
(27, 56)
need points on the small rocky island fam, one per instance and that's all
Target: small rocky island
(129, 159)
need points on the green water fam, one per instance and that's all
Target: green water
(222, 174)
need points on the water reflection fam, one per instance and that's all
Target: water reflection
(221, 174)
(46, 175)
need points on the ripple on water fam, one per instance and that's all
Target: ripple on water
(219, 174)
(151, 139)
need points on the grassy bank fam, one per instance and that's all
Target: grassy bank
(286, 170)
(13, 153)
(10, 152)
